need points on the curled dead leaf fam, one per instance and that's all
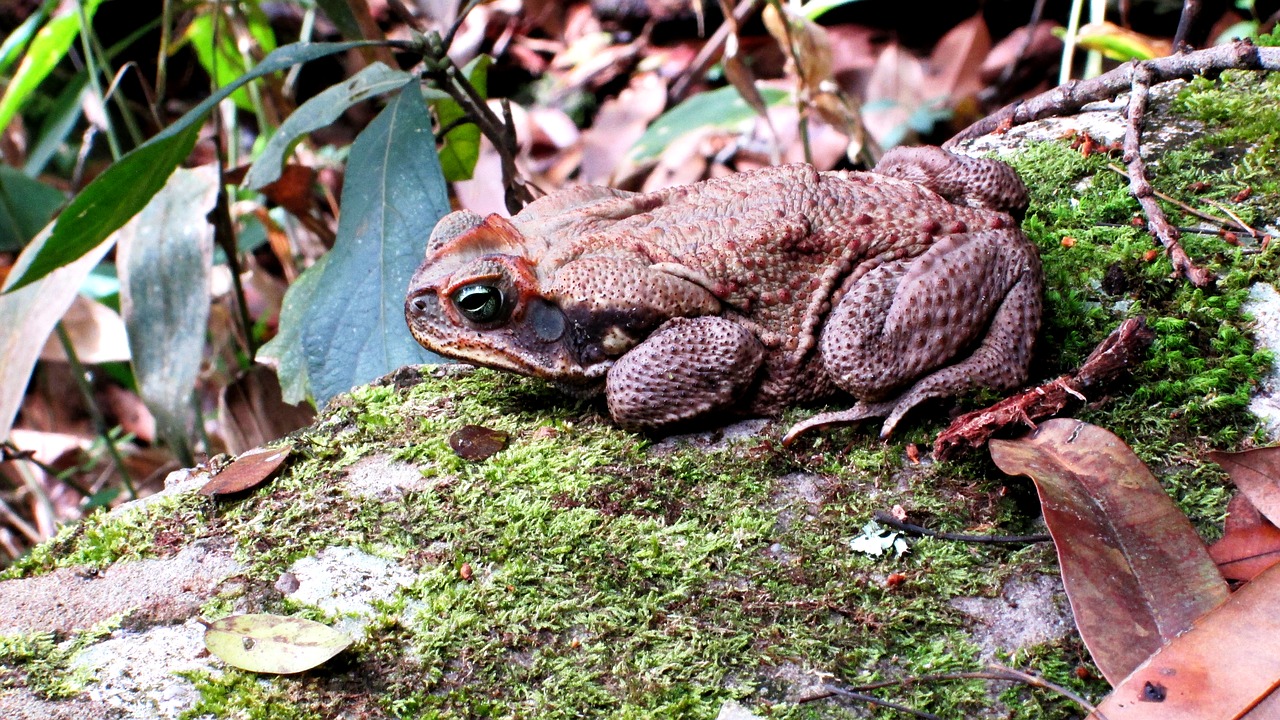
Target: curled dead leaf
(476, 442)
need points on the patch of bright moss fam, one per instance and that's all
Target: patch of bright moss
(41, 662)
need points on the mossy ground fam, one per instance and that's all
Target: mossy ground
(604, 579)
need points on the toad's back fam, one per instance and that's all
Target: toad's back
(779, 245)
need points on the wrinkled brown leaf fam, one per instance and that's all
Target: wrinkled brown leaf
(1257, 473)
(476, 442)
(620, 122)
(1222, 667)
(247, 471)
(1249, 544)
(1134, 568)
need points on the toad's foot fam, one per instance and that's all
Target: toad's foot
(855, 414)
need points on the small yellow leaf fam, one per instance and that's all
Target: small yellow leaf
(273, 643)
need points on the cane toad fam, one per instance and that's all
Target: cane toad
(747, 293)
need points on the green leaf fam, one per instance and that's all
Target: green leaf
(26, 206)
(818, 8)
(225, 63)
(339, 11)
(461, 148)
(164, 256)
(12, 47)
(58, 123)
(722, 108)
(273, 643)
(319, 111)
(286, 347)
(27, 316)
(124, 188)
(394, 193)
(43, 55)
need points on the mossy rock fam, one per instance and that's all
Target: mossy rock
(586, 571)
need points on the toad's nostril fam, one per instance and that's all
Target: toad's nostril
(420, 304)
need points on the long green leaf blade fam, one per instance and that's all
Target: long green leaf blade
(125, 188)
(43, 54)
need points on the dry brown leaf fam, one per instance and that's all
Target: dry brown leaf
(1257, 473)
(956, 61)
(476, 442)
(894, 91)
(293, 190)
(252, 411)
(1044, 45)
(97, 334)
(1249, 544)
(1221, 668)
(1135, 571)
(620, 122)
(247, 471)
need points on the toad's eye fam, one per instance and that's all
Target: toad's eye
(479, 303)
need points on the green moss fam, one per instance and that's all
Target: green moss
(160, 526)
(244, 695)
(41, 662)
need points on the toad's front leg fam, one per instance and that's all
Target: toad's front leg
(687, 369)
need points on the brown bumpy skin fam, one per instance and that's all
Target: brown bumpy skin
(750, 292)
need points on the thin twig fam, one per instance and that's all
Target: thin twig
(1234, 217)
(1037, 681)
(830, 690)
(1190, 9)
(710, 50)
(1185, 207)
(885, 518)
(1140, 186)
(1119, 351)
(993, 672)
(1037, 11)
(1071, 96)
(447, 41)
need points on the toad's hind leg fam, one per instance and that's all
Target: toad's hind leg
(908, 325)
(687, 369)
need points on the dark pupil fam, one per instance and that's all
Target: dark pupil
(479, 303)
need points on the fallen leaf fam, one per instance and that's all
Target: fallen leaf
(1222, 667)
(252, 410)
(247, 471)
(956, 61)
(1135, 571)
(1249, 544)
(476, 442)
(620, 122)
(272, 643)
(96, 331)
(1257, 473)
(293, 189)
